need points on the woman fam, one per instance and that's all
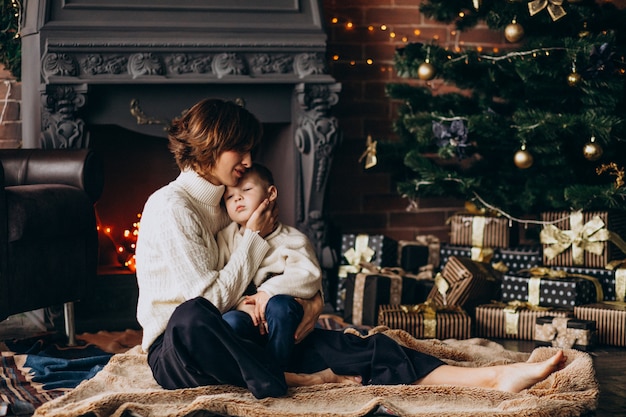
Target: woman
(182, 294)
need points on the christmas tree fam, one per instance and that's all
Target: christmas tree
(537, 126)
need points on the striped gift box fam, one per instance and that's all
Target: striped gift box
(424, 323)
(511, 321)
(610, 321)
(586, 239)
(481, 231)
(466, 283)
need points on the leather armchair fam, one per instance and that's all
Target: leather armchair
(48, 235)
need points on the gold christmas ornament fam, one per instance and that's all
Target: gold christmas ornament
(426, 71)
(573, 79)
(513, 32)
(592, 151)
(523, 159)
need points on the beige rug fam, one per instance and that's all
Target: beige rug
(125, 387)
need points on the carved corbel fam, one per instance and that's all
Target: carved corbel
(316, 136)
(60, 126)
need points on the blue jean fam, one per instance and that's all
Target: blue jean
(283, 315)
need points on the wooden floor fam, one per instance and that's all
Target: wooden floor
(610, 365)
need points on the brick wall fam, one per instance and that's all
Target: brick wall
(365, 201)
(10, 119)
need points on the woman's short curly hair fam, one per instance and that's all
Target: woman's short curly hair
(211, 127)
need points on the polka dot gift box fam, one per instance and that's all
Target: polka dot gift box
(550, 288)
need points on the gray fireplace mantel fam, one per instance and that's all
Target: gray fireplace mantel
(138, 64)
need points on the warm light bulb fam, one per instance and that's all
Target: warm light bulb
(335, 57)
(369, 61)
(383, 27)
(370, 28)
(417, 32)
(334, 20)
(120, 249)
(349, 25)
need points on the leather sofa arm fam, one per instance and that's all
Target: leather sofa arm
(81, 168)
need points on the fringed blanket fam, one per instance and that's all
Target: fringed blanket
(125, 387)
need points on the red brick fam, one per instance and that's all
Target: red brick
(417, 220)
(11, 130)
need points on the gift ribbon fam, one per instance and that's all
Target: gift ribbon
(590, 236)
(395, 291)
(538, 272)
(356, 255)
(555, 8)
(442, 286)
(620, 278)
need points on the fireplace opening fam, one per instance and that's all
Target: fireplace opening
(137, 164)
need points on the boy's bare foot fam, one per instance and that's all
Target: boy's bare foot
(322, 377)
(519, 376)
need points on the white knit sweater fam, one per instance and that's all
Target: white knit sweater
(177, 254)
(290, 266)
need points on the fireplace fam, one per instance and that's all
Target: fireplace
(111, 75)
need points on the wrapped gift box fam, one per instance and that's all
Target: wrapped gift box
(583, 238)
(414, 254)
(565, 332)
(514, 258)
(481, 231)
(377, 250)
(610, 321)
(425, 322)
(512, 321)
(465, 283)
(519, 257)
(365, 292)
(613, 281)
(548, 290)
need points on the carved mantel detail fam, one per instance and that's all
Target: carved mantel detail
(176, 65)
(61, 128)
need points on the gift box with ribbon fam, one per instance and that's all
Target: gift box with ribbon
(366, 291)
(551, 288)
(612, 278)
(514, 320)
(583, 238)
(514, 258)
(414, 254)
(482, 231)
(610, 318)
(565, 332)
(360, 249)
(465, 283)
(427, 320)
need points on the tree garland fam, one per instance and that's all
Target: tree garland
(10, 39)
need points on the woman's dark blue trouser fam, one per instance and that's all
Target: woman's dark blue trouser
(283, 315)
(199, 348)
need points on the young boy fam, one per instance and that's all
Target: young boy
(270, 313)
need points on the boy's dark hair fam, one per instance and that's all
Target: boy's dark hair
(262, 172)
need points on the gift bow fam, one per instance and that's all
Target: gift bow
(360, 254)
(589, 237)
(555, 8)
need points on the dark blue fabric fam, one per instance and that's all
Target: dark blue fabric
(64, 373)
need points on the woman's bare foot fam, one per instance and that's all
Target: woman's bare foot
(519, 376)
(322, 377)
